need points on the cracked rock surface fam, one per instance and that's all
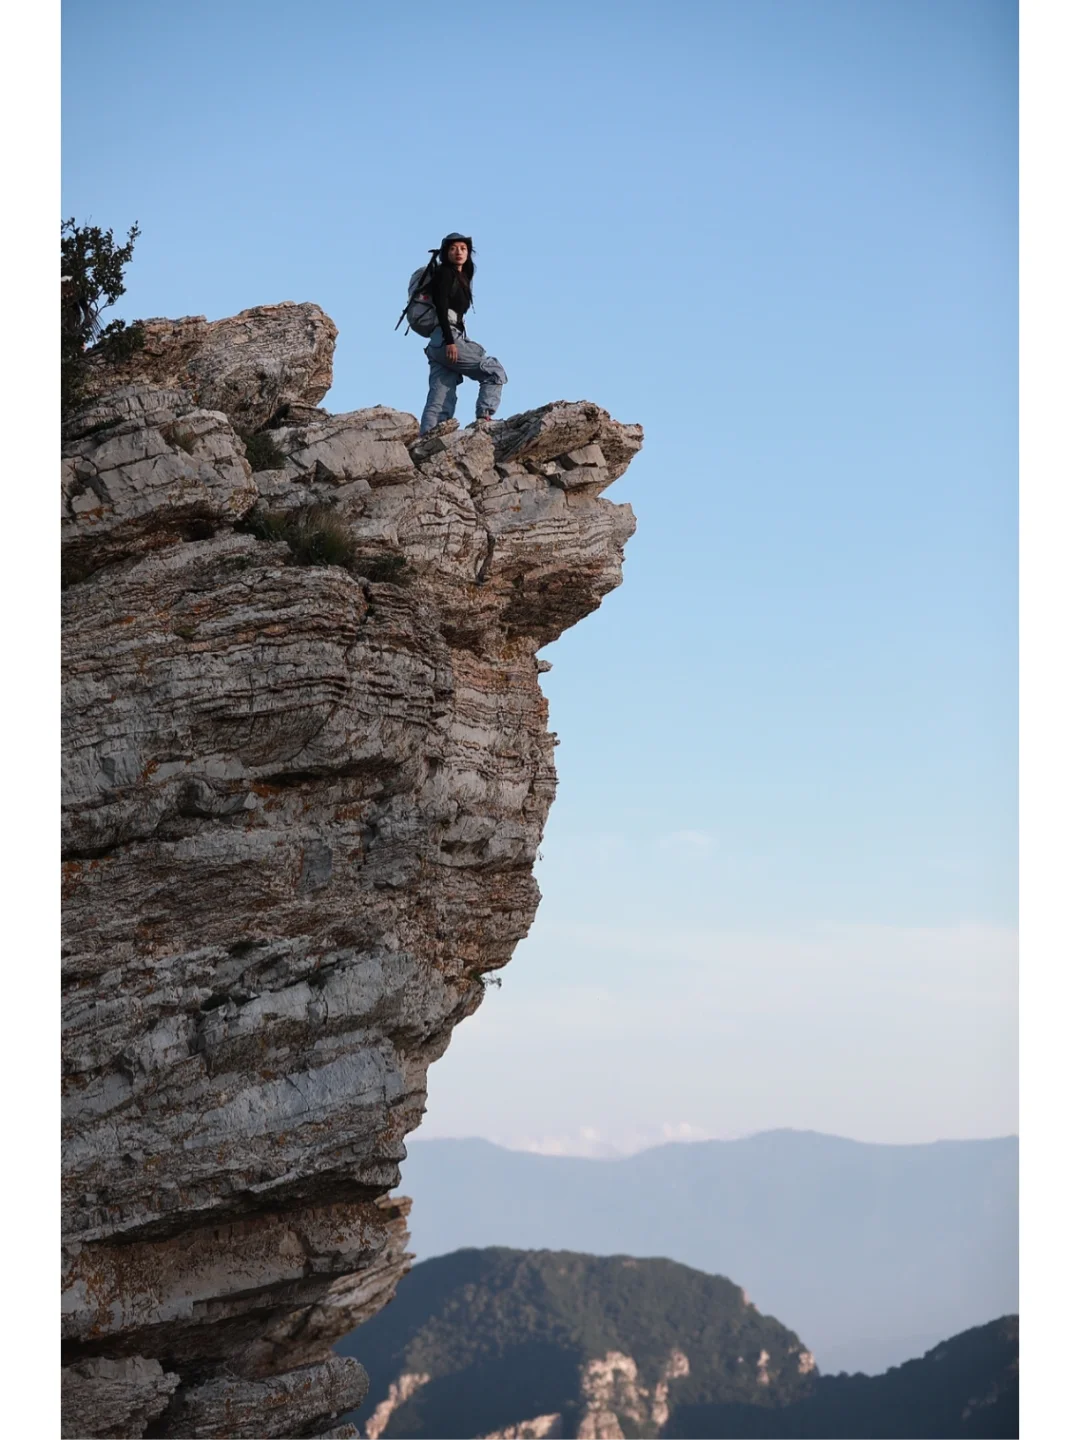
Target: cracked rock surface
(301, 808)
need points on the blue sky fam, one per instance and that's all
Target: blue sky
(781, 235)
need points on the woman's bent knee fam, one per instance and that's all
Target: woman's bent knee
(491, 368)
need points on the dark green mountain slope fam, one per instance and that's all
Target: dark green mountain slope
(505, 1336)
(965, 1387)
(556, 1344)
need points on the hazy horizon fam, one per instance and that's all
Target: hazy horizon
(593, 1147)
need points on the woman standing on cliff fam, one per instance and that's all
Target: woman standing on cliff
(452, 356)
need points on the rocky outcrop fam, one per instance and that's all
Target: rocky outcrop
(612, 1392)
(249, 366)
(403, 1389)
(301, 807)
(113, 1397)
(540, 1427)
(311, 1395)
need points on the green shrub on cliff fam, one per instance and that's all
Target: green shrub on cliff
(262, 453)
(92, 268)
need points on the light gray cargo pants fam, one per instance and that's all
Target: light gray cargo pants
(473, 363)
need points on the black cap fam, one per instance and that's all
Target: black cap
(455, 235)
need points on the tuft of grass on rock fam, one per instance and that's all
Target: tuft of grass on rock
(382, 568)
(320, 537)
(261, 452)
(267, 524)
(316, 536)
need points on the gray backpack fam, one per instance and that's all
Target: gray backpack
(419, 310)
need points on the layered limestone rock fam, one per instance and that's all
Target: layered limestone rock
(248, 366)
(301, 808)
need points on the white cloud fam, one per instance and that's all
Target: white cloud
(586, 1142)
(682, 1130)
(595, 1143)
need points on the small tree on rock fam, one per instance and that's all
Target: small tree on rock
(91, 279)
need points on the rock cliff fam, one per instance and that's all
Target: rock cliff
(302, 802)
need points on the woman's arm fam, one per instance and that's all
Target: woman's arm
(440, 296)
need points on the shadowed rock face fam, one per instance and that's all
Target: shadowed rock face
(301, 809)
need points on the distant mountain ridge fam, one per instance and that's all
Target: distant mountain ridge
(873, 1253)
(544, 1345)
